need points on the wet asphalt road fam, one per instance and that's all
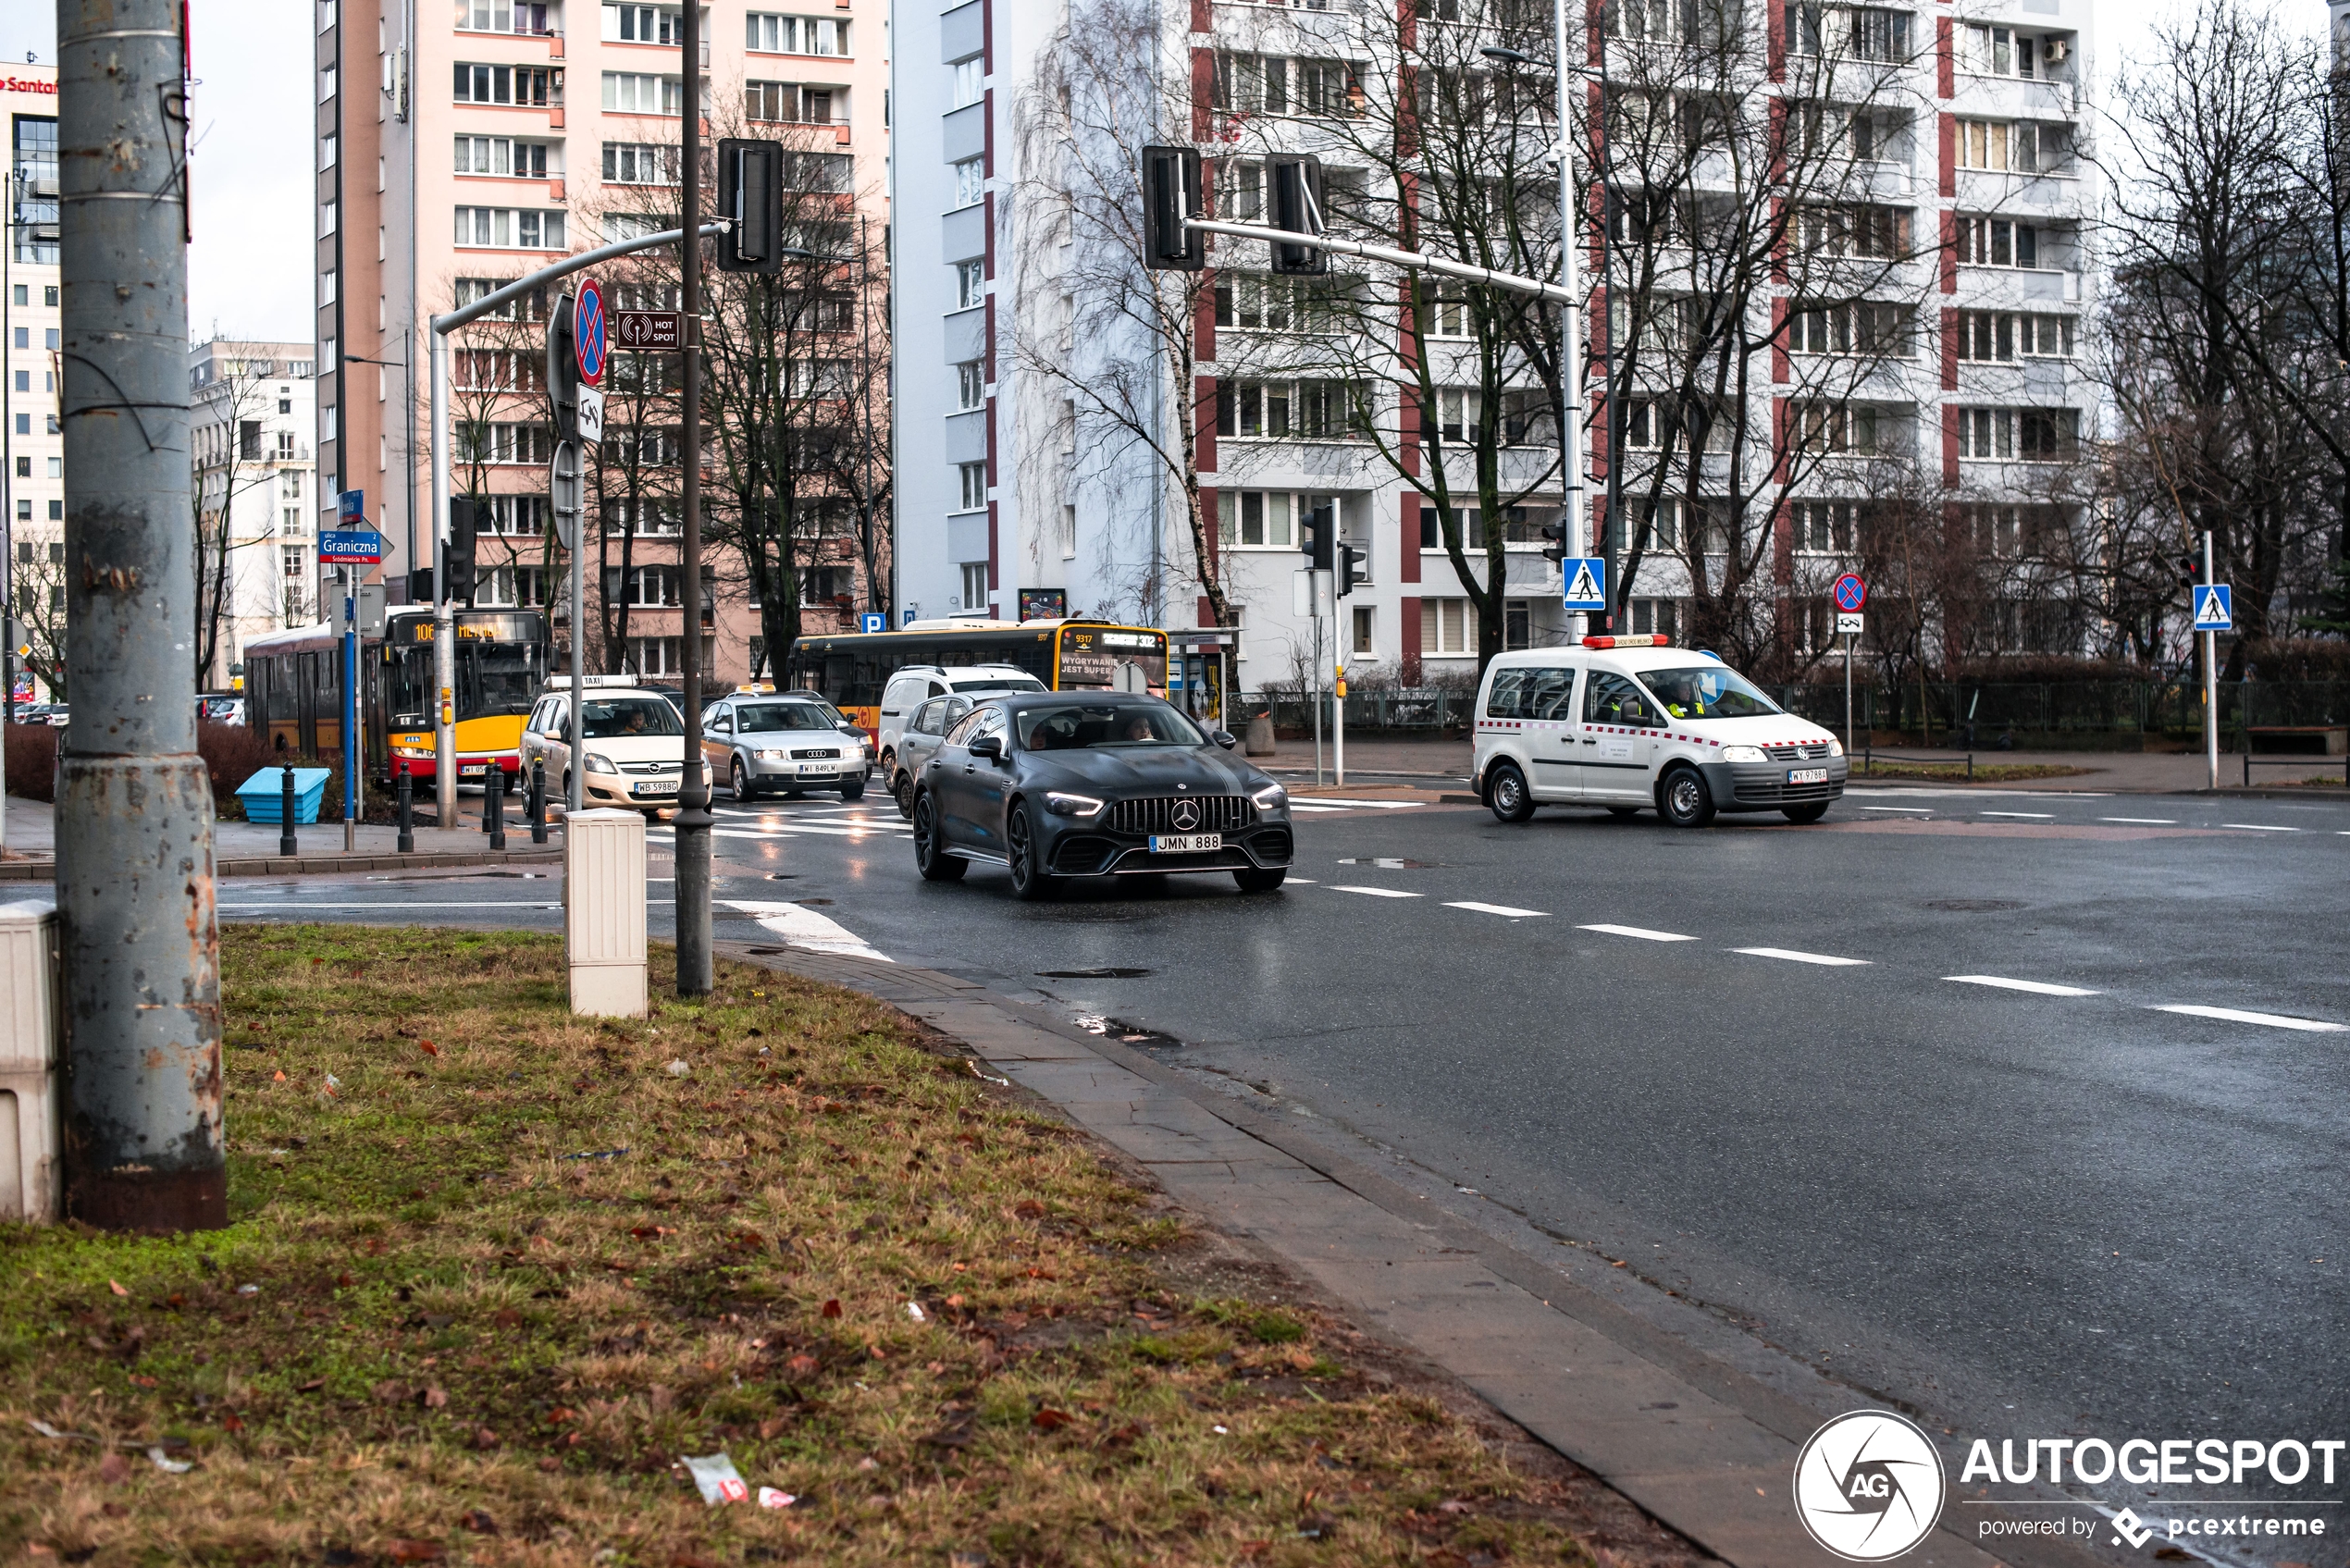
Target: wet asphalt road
(2018, 1209)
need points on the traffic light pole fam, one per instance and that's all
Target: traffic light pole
(697, 971)
(2210, 679)
(444, 656)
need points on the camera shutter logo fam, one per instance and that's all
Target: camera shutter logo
(1868, 1486)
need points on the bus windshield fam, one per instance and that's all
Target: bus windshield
(497, 679)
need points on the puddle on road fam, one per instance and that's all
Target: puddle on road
(1125, 1033)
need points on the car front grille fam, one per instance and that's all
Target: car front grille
(1797, 752)
(812, 756)
(1218, 814)
(650, 768)
(1777, 791)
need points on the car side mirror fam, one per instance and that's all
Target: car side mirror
(988, 745)
(1635, 713)
(1224, 738)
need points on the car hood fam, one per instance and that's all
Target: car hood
(1114, 773)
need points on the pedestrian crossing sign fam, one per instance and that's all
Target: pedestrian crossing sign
(1585, 577)
(2214, 610)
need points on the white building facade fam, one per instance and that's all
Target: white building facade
(32, 445)
(253, 408)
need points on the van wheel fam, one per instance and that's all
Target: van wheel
(1624, 813)
(1683, 799)
(1506, 793)
(930, 855)
(1807, 813)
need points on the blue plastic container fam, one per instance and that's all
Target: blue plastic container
(262, 791)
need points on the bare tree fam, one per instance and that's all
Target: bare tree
(229, 461)
(40, 578)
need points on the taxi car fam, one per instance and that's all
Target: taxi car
(1633, 724)
(633, 737)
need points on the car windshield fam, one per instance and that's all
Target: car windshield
(622, 718)
(1083, 725)
(1707, 691)
(761, 718)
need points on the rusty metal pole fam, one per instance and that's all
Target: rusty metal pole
(137, 927)
(696, 969)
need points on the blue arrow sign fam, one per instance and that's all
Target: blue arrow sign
(2214, 608)
(1585, 579)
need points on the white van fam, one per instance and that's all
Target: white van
(1632, 724)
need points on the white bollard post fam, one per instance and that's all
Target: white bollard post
(604, 912)
(31, 1108)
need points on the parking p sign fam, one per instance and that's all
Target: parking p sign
(872, 621)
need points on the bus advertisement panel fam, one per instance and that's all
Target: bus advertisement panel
(851, 668)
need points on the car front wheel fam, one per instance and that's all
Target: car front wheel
(739, 781)
(1261, 879)
(1506, 793)
(930, 853)
(853, 790)
(1683, 799)
(1030, 880)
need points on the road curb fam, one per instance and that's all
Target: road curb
(1585, 1374)
(322, 865)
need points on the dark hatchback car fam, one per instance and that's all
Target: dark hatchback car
(1061, 784)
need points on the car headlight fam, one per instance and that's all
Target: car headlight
(1061, 803)
(599, 764)
(1743, 754)
(1836, 747)
(768, 754)
(1272, 797)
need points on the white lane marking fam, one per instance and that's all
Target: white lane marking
(412, 904)
(1329, 800)
(1303, 805)
(802, 926)
(2274, 1020)
(1374, 892)
(2043, 816)
(1496, 909)
(1640, 932)
(2143, 821)
(1921, 810)
(1307, 881)
(2258, 827)
(1792, 957)
(2038, 987)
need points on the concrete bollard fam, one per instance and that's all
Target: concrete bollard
(604, 912)
(32, 1104)
(404, 794)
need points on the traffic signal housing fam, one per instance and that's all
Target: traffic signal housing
(1297, 207)
(1171, 194)
(1556, 549)
(751, 197)
(563, 370)
(457, 556)
(1350, 558)
(1316, 530)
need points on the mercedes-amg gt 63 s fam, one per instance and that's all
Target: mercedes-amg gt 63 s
(1055, 785)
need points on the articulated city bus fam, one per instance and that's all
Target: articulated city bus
(293, 683)
(851, 668)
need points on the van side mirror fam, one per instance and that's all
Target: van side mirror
(987, 746)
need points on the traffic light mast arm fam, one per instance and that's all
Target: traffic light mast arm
(1412, 259)
(464, 316)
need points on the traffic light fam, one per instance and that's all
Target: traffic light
(2190, 572)
(1316, 531)
(1171, 194)
(563, 370)
(751, 195)
(457, 556)
(1349, 558)
(1556, 549)
(1297, 207)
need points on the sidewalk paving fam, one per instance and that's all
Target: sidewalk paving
(252, 848)
(1706, 1447)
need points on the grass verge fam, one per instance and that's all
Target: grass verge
(495, 1270)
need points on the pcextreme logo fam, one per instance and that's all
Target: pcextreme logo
(1868, 1486)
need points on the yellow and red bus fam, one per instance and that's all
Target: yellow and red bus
(850, 669)
(293, 687)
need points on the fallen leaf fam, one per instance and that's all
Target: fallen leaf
(479, 1522)
(113, 1469)
(832, 1308)
(1050, 1420)
(803, 1365)
(435, 1398)
(278, 1077)
(312, 1386)
(116, 1289)
(1617, 1264)
(1029, 1208)
(773, 1428)
(143, 1380)
(558, 1415)
(1303, 1360)
(414, 1551)
(428, 1048)
(231, 1422)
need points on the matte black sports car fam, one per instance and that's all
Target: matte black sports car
(1055, 785)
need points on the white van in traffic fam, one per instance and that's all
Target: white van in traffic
(1633, 724)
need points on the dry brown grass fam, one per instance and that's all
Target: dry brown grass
(467, 1344)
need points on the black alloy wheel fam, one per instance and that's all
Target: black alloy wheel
(1261, 879)
(930, 854)
(1030, 880)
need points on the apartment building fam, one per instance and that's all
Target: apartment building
(253, 415)
(1933, 347)
(32, 468)
(456, 154)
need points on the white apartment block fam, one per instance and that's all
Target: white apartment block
(32, 474)
(1970, 141)
(253, 412)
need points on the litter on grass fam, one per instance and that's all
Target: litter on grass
(598, 1155)
(770, 1498)
(679, 1069)
(719, 1480)
(914, 1310)
(169, 1465)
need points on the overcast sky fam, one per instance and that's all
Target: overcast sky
(250, 269)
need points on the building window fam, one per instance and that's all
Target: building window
(1286, 410)
(510, 228)
(1835, 427)
(970, 384)
(1855, 32)
(1255, 519)
(1657, 617)
(971, 284)
(1364, 643)
(1068, 533)
(974, 585)
(971, 182)
(502, 16)
(969, 84)
(1998, 336)
(972, 482)
(1998, 241)
(1998, 51)
(639, 163)
(2026, 434)
(1881, 233)
(1273, 85)
(537, 87)
(796, 36)
(1868, 328)
(1444, 626)
(2021, 147)
(293, 562)
(502, 155)
(788, 103)
(1283, 304)
(645, 24)
(636, 93)
(1823, 527)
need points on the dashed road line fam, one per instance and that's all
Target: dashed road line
(1374, 892)
(2143, 821)
(1919, 811)
(2036, 816)
(1792, 957)
(2038, 987)
(1640, 932)
(2258, 827)
(1497, 909)
(2236, 1015)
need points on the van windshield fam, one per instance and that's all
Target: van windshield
(1707, 691)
